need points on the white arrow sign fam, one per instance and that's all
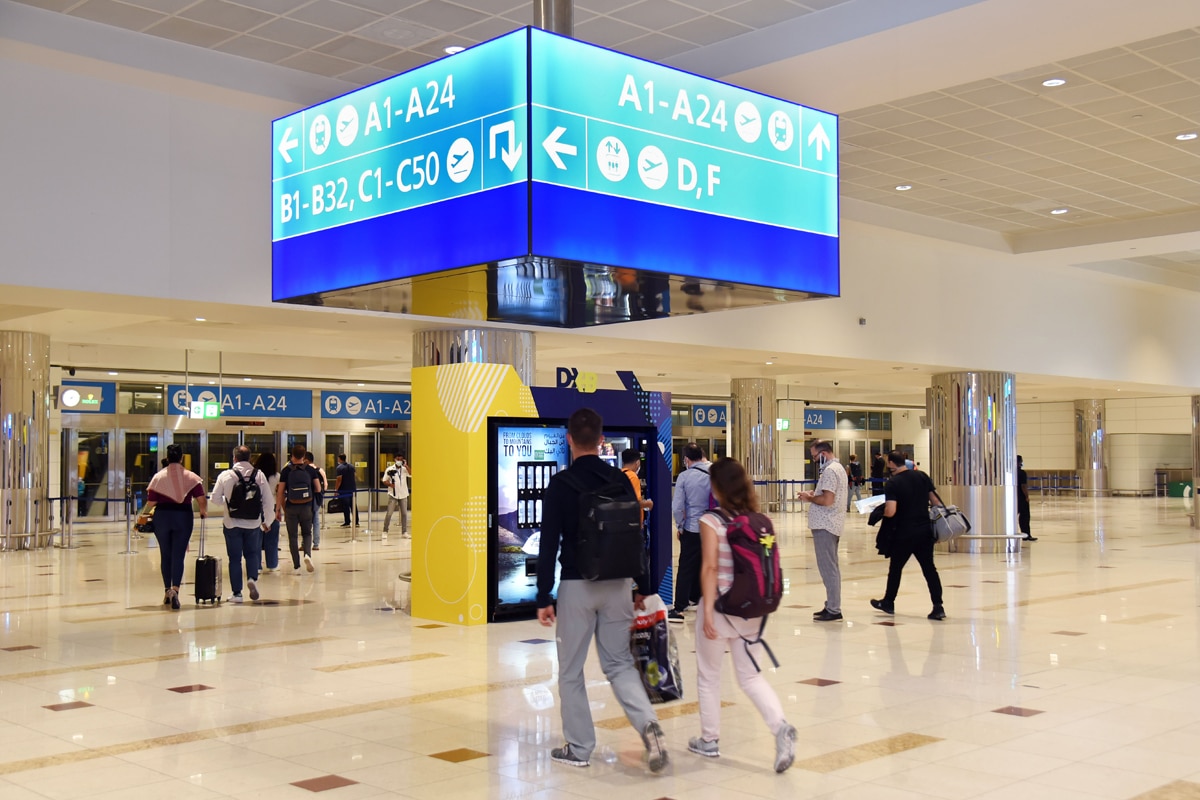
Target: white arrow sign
(288, 145)
(819, 136)
(557, 149)
(510, 155)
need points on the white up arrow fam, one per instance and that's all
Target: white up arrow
(510, 155)
(288, 145)
(821, 138)
(557, 149)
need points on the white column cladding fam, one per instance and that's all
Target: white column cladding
(1091, 448)
(476, 346)
(556, 16)
(1195, 449)
(973, 453)
(24, 436)
(752, 410)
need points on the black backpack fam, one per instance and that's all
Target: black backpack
(245, 501)
(299, 485)
(610, 544)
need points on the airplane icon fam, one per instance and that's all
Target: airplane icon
(746, 120)
(649, 165)
(455, 160)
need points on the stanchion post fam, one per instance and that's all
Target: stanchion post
(128, 551)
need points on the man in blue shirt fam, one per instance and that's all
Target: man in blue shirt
(692, 492)
(345, 488)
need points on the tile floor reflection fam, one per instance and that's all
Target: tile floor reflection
(1096, 673)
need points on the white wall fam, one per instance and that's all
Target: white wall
(1148, 415)
(1046, 435)
(1133, 458)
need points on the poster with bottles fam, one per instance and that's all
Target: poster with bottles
(527, 457)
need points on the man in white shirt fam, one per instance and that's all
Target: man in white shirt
(396, 479)
(827, 518)
(249, 510)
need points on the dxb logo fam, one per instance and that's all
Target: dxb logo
(572, 378)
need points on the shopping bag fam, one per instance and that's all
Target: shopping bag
(655, 652)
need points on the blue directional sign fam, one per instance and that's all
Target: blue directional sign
(366, 405)
(709, 416)
(820, 418)
(83, 397)
(533, 144)
(242, 401)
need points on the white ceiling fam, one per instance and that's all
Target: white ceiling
(985, 151)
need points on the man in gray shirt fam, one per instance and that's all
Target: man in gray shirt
(692, 492)
(827, 518)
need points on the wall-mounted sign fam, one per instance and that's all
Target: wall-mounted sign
(783, 424)
(572, 378)
(242, 401)
(709, 416)
(537, 145)
(366, 405)
(820, 419)
(79, 397)
(202, 409)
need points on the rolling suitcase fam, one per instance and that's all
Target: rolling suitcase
(208, 574)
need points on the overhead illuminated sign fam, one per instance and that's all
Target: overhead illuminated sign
(366, 405)
(239, 401)
(537, 145)
(709, 416)
(76, 397)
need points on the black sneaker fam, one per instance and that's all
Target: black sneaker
(1029, 538)
(886, 608)
(675, 616)
(565, 755)
(938, 613)
(656, 746)
(825, 615)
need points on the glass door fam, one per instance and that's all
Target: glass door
(219, 457)
(364, 457)
(261, 442)
(88, 475)
(141, 460)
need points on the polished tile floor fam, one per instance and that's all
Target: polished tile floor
(1069, 672)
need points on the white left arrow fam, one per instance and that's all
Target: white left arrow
(821, 138)
(557, 149)
(288, 145)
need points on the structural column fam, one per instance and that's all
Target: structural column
(433, 348)
(24, 437)
(1195, 448)
(973, 454)
(1090, 455)
(556, 16)
(752, 411)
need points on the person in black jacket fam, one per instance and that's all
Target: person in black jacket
(909, 493)
(878, 473)
(604, 608)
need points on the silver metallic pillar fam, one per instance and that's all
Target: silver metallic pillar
(1195, 449)
(556, 16)
(24, 439)
(973, 454)
(476, 346)
(1091, 456)
(752, 409)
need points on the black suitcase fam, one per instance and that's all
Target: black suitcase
(208, 575)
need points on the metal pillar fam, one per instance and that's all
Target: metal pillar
(1090, 447)
(973, 455)
(476, 346)
(556, 16)
(752, 411)
(24, 447)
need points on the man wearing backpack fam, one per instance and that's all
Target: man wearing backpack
(298, 485)
(318, 510)
(693, 496)
(246, 496)
(826, 519)
(601, 608)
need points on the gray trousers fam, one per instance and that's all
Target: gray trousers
(603, 609)
(393, 504)
(825, 545)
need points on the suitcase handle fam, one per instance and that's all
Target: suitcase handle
(202, 521)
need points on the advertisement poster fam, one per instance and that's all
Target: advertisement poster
(526, 458)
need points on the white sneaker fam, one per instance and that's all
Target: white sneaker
(252, 586)
(308, 565)
(297, 571)
(237, 598)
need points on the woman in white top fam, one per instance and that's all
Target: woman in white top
(734, 492)
(267, 465)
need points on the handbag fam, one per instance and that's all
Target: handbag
(948, 522)
(655, 652)
(336, 506)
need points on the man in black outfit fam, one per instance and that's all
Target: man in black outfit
(345, 488)
(906, 510)
(878, 472)
(1023, 500)
(603, 609)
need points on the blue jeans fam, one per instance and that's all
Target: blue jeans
(239, 543)
(173, 529)
(270, 543)
(316, 522)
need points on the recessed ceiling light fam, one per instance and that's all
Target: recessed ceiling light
(114, 373)
(1187, 137)
(1059, 210)
(452, 49)
(362, 384)
(247, 380)
(1054, 82)
(769, 363)
(212, 383)
(904, 187)
(201, 319)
